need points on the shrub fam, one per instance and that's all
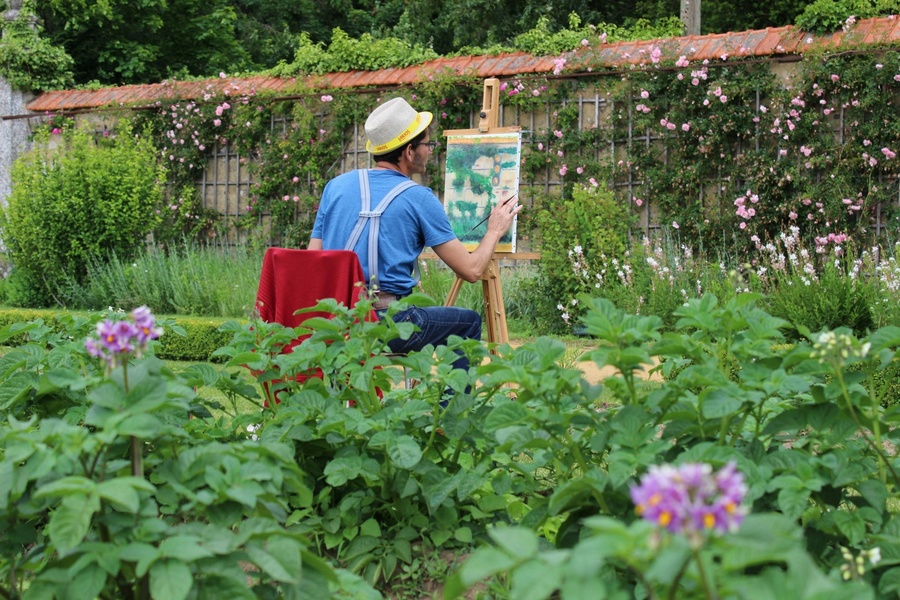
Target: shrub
(591, 223)
(815, 290)
(186, 339)
(76, 197)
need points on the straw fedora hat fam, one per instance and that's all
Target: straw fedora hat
(393, 124)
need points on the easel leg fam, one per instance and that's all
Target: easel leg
(494, 309)
(454, 292)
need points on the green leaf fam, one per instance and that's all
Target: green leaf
(719, 403)
(535, 580)
(762, 539)
(142, 425)
(404, 451)
(483, 563)
(515, 541)
(123, 492)
(889, 584)
(170, 580)
(506, 414)
(70, 523)
(360, 546)
(16, 388)
(886, 337)
(62, 378)
(463, 534)
(793, 501)
(568, 495)
(875, 493)
(12, 361)
(251, 360)
(438, 491)
(271, 565)
(187, 548)
(87, 584)
(370, 527)
(66, 486)
(342, 469)
(141, 554)
(852, 525)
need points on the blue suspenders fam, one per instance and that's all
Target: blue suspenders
(365, 214)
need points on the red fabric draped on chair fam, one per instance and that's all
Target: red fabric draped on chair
(294, 279)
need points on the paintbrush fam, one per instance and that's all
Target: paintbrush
(479, 223)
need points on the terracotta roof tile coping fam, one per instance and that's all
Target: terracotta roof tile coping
(770, 42)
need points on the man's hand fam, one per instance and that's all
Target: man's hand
(502, 215)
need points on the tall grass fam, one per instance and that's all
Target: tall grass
(221, 282)
(189, 280)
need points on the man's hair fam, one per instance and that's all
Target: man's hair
(393, 156)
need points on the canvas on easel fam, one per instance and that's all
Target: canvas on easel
(482, 171)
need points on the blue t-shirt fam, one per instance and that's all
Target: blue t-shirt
(413, 220)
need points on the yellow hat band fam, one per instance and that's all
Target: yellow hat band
(407, 134)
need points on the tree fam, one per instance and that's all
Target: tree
(121, 42)
(719, 16)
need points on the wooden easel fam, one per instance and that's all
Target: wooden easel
(494, 309)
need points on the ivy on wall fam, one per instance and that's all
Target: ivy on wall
(723, 152)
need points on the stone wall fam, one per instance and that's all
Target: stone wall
(14, 133)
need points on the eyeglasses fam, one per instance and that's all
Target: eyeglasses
(431, 145)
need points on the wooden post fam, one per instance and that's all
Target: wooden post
(490, 106)
(690, 16)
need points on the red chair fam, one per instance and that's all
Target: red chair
(294, 279)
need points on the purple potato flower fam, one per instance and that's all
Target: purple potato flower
(691, 497)
(115, 341)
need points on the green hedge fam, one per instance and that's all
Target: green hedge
(202, 336)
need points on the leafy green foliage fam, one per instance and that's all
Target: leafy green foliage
(590, 224)
(206, 514)
(345, 53)
(77, 198)
(30, 62)
(823, 16)
(351, 467)
(542, 41)
(793, 418)
(145, 42)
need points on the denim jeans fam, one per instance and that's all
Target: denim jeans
(436, 324)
